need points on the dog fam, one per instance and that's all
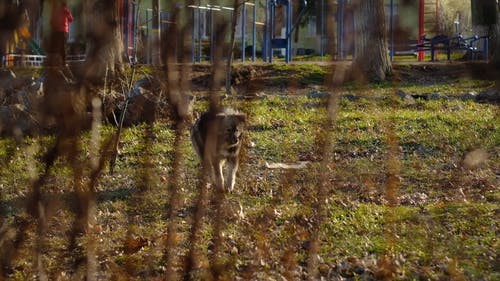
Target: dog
(217, 138)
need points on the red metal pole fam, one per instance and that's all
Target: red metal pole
(421, 30)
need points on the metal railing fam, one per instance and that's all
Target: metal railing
(23, 60)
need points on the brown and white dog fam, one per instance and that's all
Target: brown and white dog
(217, 140)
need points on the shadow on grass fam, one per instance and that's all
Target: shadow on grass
(67, 200)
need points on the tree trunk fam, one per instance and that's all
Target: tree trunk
(105, 46)
(234, 18)
(371, 58)
(495, 58)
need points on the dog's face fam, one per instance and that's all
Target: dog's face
(231, 128)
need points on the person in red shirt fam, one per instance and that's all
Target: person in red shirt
(59, 22)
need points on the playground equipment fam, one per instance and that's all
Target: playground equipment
(152, 47)
(210, 11)
(391, 30)
(34, 60)
(254, 29)
(428, 12)
(345, 23)
(428, 23)
(271, 42)
(449, 44)
(278, 42)
(199, 27)
(340, 29)
(137, 28)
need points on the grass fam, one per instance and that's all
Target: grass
(444, 225)
(426, 240)
(294, 75)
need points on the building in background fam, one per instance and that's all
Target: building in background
(326, 29)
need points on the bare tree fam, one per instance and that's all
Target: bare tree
(371, 58)
(495, 59)
(485, 17)
(105, 45)
(234, 18)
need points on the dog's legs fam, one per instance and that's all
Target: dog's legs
(219, 173)
(230, 174)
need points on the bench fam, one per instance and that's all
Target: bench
(449, 44)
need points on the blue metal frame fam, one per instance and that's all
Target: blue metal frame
(193, 55)
(322, 38)
(265, 44)
(340, 29)
(391, 30)
(280, 43)
(213, 35)
(288, 30)
(243, 30)
(199, 33)
(196, 43)
(254, 31)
